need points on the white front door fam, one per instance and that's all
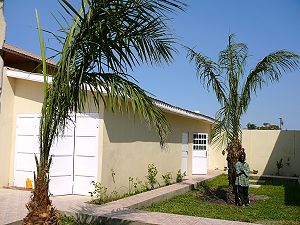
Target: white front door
(200, 147)
(74, 154)
(184, 152)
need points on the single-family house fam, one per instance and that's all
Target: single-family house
(101, 146)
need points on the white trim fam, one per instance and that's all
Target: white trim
(164, 106)
(183, 112)
(26, 75)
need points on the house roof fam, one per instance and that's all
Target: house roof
(17, 54)
(16, 73)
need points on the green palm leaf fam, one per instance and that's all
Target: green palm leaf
(233, 91)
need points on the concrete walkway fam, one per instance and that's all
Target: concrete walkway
(118, 212)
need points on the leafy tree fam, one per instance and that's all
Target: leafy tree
(107, 39)
(265, 126)
(268, 126)
(233, 88)
(251, 126)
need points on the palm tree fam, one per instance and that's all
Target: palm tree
(233, 89)
(107, 39)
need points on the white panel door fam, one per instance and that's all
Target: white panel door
(74, 154)
(184, 152)
(27, 144)
(86, 153)
(200, 147)
(61, 170)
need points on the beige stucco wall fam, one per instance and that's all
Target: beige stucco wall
(216, 160)
(265, 147)
(129, 146)
(2, 38)
(126, 144)
(6, 120)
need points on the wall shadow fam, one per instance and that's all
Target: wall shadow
(287, 148)
(268, 148)
(291, 189)
(127, 128)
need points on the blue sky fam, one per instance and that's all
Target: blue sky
(264, 25)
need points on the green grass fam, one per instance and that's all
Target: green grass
(283, 206)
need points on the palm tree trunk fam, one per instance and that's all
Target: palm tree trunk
(233, 151)
(40, 209)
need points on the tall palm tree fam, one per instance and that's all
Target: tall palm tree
(233, 88)
(107, 39)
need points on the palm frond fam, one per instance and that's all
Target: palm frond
(268, 70)
(106, 39)
(209, 73)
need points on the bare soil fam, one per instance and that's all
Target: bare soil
(225, 196)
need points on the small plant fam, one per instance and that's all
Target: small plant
(144, 187)
(130, 185)
(167, 178)
(137, 185)
(114, 195)
(179, 176)
(288, 163)
(151, 177)
(100, 192)
(279, 165)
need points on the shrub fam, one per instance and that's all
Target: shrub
(279, 165)
(134, 186)
(167, 178)
(151, 177)
(179, 176)
(100, 192)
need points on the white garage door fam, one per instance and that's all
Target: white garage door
(75, 154)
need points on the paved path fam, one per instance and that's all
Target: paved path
(119, 212)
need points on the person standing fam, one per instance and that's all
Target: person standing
(242, 179)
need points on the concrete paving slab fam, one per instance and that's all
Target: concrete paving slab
(254, 186)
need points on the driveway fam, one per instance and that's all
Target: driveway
(12, 204)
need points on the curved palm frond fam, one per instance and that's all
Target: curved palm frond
(119, 94)
(208, 72)
(269, 69)
(107, 38)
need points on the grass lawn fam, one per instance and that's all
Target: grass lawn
(283, 206)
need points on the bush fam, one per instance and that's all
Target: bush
(179, 176)
(100, 192)
(167, 178)
(151, 177)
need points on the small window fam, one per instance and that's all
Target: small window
(200, 141)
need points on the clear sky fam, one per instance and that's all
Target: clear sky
(264, 25)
